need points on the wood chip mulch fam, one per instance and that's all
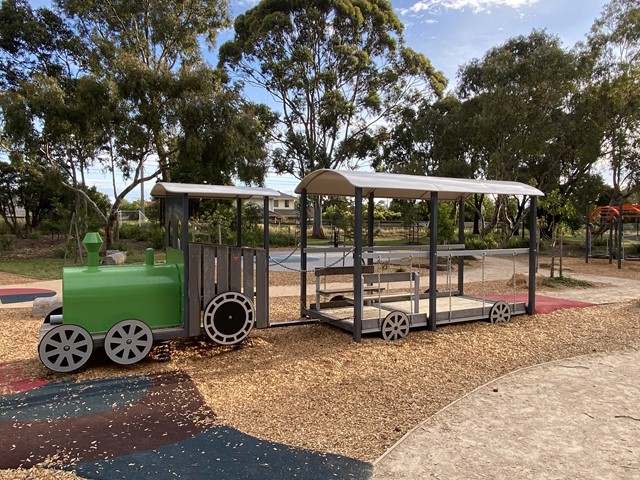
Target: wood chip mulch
(312, 387)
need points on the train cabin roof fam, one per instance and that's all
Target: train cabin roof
(392, 185)
(168, 189)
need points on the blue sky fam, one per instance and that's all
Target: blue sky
(453, 32)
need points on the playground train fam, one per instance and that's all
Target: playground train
(126, 309)
(222, 291)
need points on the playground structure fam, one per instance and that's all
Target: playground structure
(368, 309)
(222, 291)
(611, 218)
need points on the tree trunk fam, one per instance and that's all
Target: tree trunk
(561, 253)
(496, 216)
(477, 203)
(552, 273)
(318, 231)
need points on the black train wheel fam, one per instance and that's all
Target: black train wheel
(229, 318)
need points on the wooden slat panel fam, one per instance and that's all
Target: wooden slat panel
(247, 272)
(342, 270)
(235, 269)
(195, 288)
(208, 274)
(222, 274)
(262, 293)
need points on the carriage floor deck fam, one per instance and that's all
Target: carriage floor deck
(449, 310)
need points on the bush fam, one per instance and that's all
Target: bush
(277, 238)
(517, 242)
(479, 242)
(600, 241)
(6, 243)
(566, 282)
(68, 251)
(148, 232)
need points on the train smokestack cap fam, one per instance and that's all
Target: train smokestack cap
(92, 242)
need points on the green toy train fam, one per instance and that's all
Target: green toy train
(210, 289)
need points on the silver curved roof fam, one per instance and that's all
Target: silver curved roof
(393, 185)
(167, 189)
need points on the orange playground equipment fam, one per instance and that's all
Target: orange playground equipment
(613, 219)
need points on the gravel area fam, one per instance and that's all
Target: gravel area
(312, 387)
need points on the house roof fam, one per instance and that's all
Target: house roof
(393, 185)
(167, 189)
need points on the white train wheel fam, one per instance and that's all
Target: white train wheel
(500, 312)
(229, 318)
(128, 341)
(395, 326)
(65, 348)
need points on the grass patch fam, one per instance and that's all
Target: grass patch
(46, 268)
(568, 282)
(51, 268)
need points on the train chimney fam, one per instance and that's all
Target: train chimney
(92, 242)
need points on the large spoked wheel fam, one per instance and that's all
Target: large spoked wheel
(65, 348)
(500, 312)
(395, 326)
(229, 318)
(128, 342)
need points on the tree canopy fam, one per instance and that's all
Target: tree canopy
(337, 69)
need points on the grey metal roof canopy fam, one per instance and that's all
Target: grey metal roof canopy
(220, 192)
(391, 185)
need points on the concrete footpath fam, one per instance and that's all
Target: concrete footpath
(571, 419)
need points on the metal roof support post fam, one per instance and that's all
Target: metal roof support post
(370, 210)
(461, 242)
(265, 219)
(433, 259)
(611, 241)
(265, 244)
(357, 269)
(533, 252)
(620, 226)
(303, 252)
(184, 245)
(239, 222)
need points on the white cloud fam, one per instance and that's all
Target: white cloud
(478, 6)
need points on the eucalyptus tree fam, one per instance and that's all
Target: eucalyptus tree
(51, 113)
(148, 52)
(614, 45)
(338, 70)
(518, 97)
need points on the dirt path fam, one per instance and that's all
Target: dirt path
(574, 419)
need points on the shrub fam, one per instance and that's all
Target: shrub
(6, 243)
(479, 242)
(517, 242)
